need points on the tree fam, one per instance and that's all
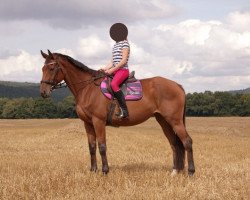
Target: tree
(9, 109)
(66, 108)
(242, 106)
(217, 104)
(198, 104)
(25, 108)
(45, 108)
(3, 101)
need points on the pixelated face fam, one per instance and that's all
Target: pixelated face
(118, 32)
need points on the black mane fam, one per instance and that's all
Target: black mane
(77, 64)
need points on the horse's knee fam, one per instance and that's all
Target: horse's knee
(102, 149)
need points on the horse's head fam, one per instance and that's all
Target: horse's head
(52, 74)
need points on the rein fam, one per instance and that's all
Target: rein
(89, 81)
(92, 79)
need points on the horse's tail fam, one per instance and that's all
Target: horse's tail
(184, 113)
(180, 150)
(185, 104)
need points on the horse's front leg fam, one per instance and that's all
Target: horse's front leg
(100, 131)
(92, 145)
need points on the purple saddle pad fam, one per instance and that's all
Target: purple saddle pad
(132, 91)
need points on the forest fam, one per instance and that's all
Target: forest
(197, 104)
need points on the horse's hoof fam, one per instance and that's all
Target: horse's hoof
(174, 172)
(93, 169)
(105, 170)
(191, 173)
(104, 173)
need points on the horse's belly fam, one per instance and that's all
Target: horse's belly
(138, 113)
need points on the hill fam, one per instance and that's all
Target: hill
(62, 103)
(24, 89)
(244, 91)
(10, 89)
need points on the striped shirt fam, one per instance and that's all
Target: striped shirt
(117, 52)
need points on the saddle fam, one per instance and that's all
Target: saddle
(131, 88)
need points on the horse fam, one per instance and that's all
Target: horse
(162, 98)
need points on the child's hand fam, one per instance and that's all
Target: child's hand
(110, 71)
(101, 70)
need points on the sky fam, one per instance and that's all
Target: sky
(202, 45)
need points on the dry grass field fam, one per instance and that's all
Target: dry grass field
(49, 159)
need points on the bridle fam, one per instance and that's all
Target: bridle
(56, 85)
(53, 82)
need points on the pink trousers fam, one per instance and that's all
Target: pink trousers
(119, 76)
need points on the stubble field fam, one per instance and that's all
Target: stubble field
(49, 159)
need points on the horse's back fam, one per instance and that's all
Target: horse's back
(161, 84)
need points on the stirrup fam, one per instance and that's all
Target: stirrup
(121, 114)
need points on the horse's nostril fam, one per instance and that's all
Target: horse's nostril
(43, 93)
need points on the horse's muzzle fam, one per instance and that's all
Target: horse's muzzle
(45, 94)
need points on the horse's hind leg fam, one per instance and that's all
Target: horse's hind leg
(180, 130)
(175, 142)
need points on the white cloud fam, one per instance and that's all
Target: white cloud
(208, 46)
(239, 21)
(65, 51)
(93, 47)
(192, 32)
(138, 55)
(23, 67)
(224, 83)
(198, 54)
(201, 55)
(77, 13)
(210, 55)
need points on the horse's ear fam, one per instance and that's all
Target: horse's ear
(50, 54)
(44, 54)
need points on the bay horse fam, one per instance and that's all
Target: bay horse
(162, 98)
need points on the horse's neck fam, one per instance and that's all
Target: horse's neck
(75, 78)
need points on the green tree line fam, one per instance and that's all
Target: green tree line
(198, 104)
(218, 104)
(28, 108)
